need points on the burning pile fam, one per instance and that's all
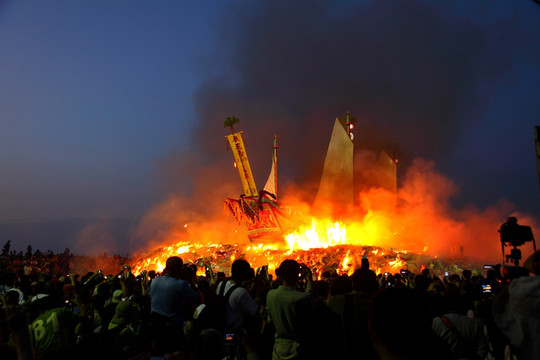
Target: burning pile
(309, 246)
(406, 228)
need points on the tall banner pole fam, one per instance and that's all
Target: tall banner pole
(242, 163)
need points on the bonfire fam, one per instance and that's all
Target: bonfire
(396, 229)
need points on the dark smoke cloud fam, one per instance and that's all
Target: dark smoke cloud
(409, 72)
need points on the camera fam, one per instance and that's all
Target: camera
(515, 234)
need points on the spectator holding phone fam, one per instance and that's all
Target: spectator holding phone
(290, 311)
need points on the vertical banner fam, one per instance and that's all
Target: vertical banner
(237, 145)
(537, 144)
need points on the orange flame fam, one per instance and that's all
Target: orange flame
(324, 246)
(409, 229)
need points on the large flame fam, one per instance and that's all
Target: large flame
(413, 229)
(323, 246)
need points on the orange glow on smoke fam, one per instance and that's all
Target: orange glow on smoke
(413, 229)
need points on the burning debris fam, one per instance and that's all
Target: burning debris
(406, 228)
(341, 259)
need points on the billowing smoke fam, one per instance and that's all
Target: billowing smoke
(410, 73)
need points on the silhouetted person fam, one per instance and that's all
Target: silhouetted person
(464, 335)
(400, 327)
(289, 311)
(241, 305)
(353, 310)
(5, 250)
(168, 294)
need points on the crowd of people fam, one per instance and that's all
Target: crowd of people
(50, 312)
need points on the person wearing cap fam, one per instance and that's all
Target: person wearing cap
(109, 308)
(290, 312)
(168, 296)
(125, 340)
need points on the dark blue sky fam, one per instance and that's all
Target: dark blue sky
(108, 107)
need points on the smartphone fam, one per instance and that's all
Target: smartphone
(446, 273)
(389, 283)
(488, 266)
(229, 337)
(386, 274)
(403, 272)
(119, 276)
(486, 289)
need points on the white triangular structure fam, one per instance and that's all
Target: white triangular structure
(270, 186)
(336, 190)
(271, 183)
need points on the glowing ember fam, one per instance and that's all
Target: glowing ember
(324, 246)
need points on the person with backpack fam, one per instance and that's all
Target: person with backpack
(238, 309)
(240, 306)
(465, 336)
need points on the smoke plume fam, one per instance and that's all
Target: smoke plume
(410, 73)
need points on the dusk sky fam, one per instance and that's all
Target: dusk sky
(109, 107)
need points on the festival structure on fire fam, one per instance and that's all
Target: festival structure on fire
(261, 212)
(333, 234)
(258, 210)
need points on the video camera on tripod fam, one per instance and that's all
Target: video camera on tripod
(515, 235)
